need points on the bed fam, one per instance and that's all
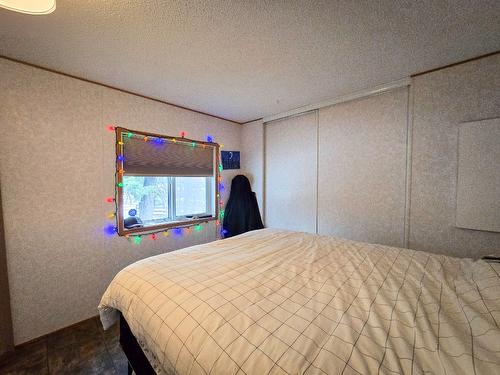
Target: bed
(280, 302)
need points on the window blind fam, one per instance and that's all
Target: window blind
(167, 158)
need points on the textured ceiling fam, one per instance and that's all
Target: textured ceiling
(243, 60)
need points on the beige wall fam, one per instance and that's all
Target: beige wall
(57, 167)
(252, 158)
(442, 100)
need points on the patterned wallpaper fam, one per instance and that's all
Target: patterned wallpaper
(57, 168)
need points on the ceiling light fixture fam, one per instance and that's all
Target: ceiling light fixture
(29, 6)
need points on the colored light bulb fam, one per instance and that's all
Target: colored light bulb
(110, 229)
(111, 128)
(153, 236)
(178, 231)
(120, 158)
(111, 215)
(110, 199)
(120, 184)
(137, 240)
(183, 134)
(120, 143)
(193, 144)
(210, 138)
(165, 234)
(129, 134)
(198, 227)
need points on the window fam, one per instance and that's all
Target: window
(164, 182)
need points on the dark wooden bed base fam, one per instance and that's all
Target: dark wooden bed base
(137, 361)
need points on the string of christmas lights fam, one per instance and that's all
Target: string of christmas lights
(112, 228)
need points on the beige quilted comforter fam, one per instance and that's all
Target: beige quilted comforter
(279, 302)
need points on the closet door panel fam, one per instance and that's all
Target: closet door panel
(291, 173)
(362, 168)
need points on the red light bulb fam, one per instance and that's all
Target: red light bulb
(111, 128)
(110, 199)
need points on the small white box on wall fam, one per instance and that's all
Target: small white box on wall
(478, 177)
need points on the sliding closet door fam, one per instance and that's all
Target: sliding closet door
(362, 168)
(290, 173)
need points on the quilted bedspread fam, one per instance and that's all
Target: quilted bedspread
(280, 302)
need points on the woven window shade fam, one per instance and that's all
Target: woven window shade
(167, 159)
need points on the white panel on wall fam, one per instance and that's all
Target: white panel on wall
(478, 182)
(362, 168)
(290, 173)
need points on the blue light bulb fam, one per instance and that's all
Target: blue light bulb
(110, 230)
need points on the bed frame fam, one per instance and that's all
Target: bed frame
(137, 361)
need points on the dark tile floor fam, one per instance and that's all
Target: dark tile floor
(84, 348)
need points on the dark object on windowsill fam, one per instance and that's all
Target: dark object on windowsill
(242, 211)
(491, 259)
(132, 222)
(198, 216)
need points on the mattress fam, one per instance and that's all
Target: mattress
(280, 302)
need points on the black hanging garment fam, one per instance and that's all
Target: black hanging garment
(242, 211)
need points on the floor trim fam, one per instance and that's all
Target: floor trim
(7, 355)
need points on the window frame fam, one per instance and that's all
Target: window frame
(119, 173)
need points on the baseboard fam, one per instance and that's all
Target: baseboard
(32, 341)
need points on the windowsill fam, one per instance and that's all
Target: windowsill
(166, 226)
